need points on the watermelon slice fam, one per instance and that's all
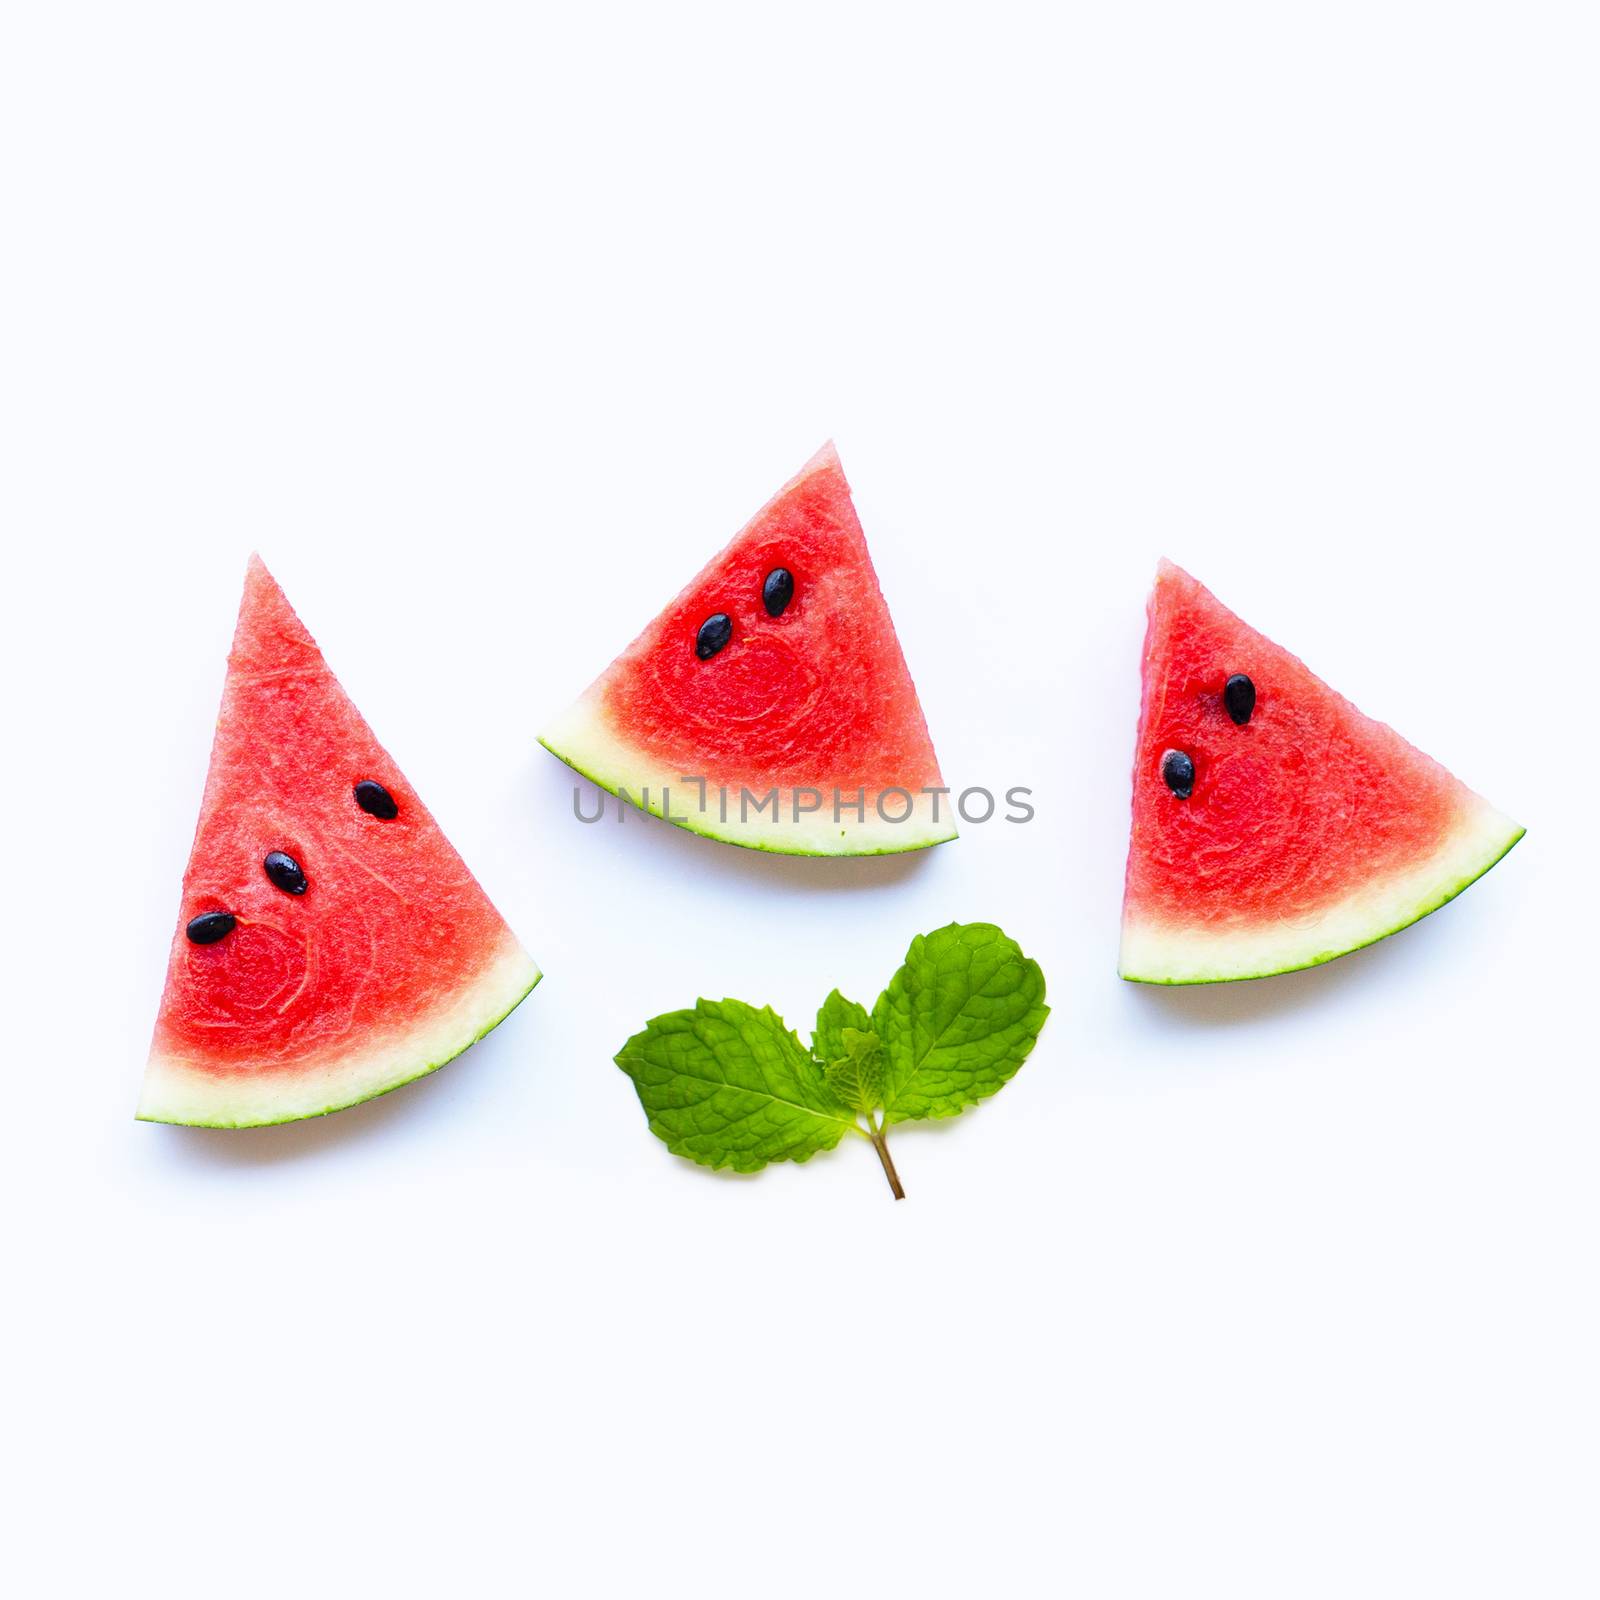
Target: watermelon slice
(331, 944)
(769, 704)
(1275, 826)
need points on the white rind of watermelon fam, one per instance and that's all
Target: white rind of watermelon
(1153, 952)
(584, 738)
(179, 1091)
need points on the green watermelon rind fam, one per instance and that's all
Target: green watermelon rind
(584, 742)
(1484, 841)
(174, 1091)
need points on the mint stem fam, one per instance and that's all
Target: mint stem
(881, 1145)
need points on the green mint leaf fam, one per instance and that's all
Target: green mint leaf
(837, 1014)
(729, 1086)
(856, 1078)
(956, 1021)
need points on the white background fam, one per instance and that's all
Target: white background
(487, 325)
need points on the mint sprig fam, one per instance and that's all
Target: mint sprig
(730, 1086)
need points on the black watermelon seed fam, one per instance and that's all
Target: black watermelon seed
(376, 801)
(285, 872)
(777, 591)
(714, 634)
(1178, 770)
(210, 926)
(1239, 696)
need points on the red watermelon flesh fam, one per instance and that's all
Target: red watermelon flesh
(1311, 830)
(389, 963)
(817, 698)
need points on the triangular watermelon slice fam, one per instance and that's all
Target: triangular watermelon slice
(1275, 826)
(331, 945)
(769, 705)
